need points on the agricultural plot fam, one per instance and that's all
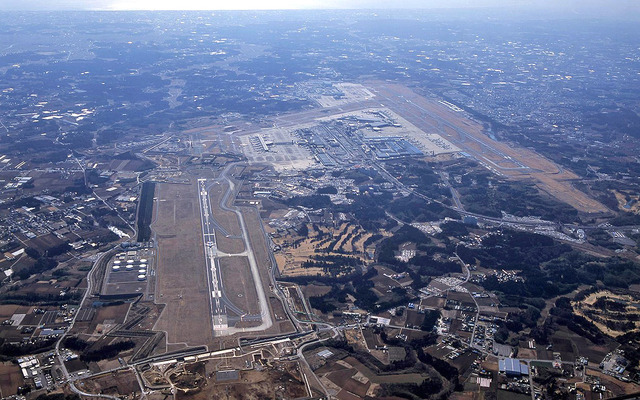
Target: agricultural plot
(10, 379)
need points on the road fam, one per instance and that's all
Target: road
(61, 360)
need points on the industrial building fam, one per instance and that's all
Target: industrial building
(513, 367)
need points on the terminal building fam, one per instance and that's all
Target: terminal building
(390, 147)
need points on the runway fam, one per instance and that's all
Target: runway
(224, 313)
(214, 280)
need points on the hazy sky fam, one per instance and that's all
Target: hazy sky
(576, 5)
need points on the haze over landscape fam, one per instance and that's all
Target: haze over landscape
(320, 200)
(599, 7)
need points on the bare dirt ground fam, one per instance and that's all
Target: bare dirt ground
(182, 281)
(10, 379)
(114, 384)
(507, 159)
(7, 310)
(110, 315)
(615, 386)
(284, 382)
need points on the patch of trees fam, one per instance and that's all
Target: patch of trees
(427, 266)
(371, 239)
(368, 209)
(314, 201)
(78, 187)
(621, 120)
(502, 334)
(359, 176)
(563, 314)
(327, 190)
(388, 247)
(606, 304)
(145, 212)
(29, 202)
(630, 344)
(528, 318)
(515, 198)
(361, 290)
(8, 350)
(102, 212)
(428, 387)
(513, 250)
(319, 303)
(601, 237)
(547, 375)
(108, 351)
(420, 175)
(105, 136)
(51, 157)
(400, 297)
(58, 249)
(33, 253)
(31, 298)
(535, 285)
(59, 272)
(415, 209)
(303, 230)
(358, 285)
(75, 343)
(9, 246)
(107, 237)
(58, 396)
(581, 268)
(626, 218)
(548, 268)
(94, 177)
(78, 139)
(448, 371)
(454, 228)
(41, 265)
(333, 264)
(430, 319)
